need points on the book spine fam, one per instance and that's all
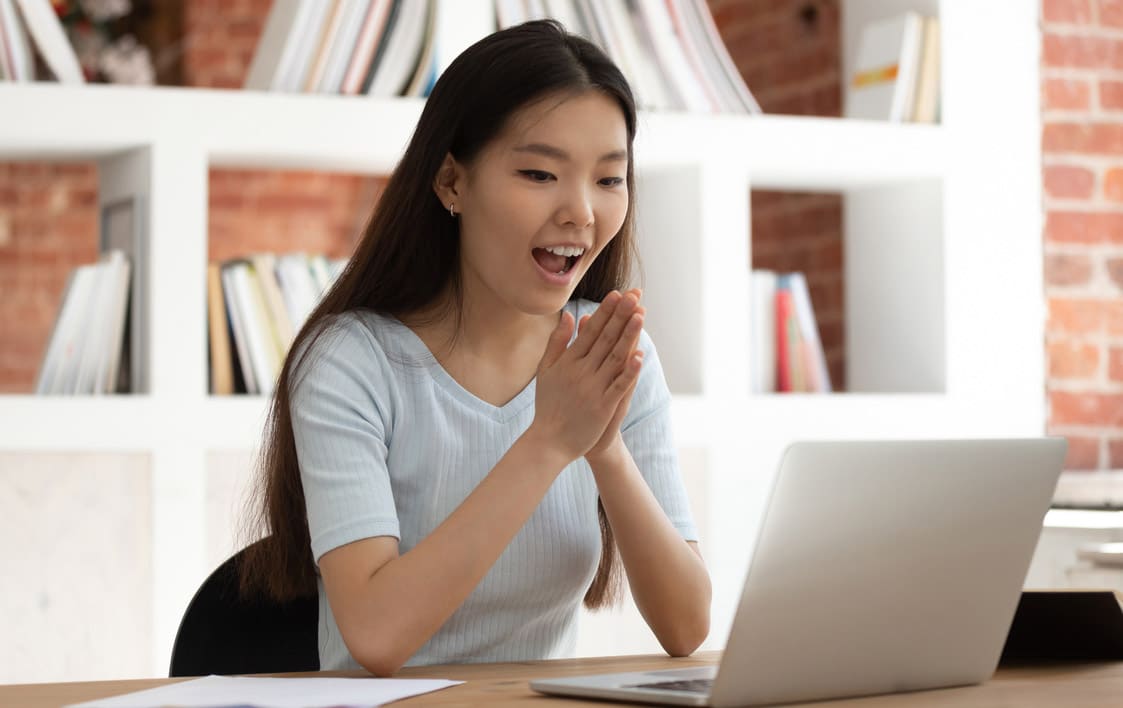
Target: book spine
(784, 358)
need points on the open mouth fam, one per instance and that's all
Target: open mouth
(558, 260)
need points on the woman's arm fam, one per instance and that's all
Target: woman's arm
(388, 605)
(668, 579)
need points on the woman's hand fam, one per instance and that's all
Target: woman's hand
(580, 389)
(612, 442)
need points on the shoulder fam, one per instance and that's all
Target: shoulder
(353, 347)
(351, 332)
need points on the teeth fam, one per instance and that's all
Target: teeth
(567, 251)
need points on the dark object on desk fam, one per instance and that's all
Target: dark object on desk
(1084, 625)
(221, 633)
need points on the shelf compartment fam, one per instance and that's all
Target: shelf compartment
(93, 423)
(255, 129)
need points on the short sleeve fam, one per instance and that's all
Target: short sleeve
(340, 420)
(647, 434)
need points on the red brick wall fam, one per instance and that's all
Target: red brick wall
(1082, 146)
(789, 52)
(48, 226)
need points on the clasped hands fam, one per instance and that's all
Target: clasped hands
(583, 390)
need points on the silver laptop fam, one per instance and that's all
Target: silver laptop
(879, 567)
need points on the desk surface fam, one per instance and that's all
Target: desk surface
(1070, 685)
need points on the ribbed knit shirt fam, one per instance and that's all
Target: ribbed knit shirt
(389, 444)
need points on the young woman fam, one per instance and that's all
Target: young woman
(462, 438)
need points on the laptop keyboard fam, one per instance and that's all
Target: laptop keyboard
(691, 686)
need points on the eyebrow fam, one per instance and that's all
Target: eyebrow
(559, 154)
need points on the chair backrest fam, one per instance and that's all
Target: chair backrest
(223, 633)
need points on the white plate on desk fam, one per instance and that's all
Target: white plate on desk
(1102, 554)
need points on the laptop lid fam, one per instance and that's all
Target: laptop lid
(886, 566)
(879, 567)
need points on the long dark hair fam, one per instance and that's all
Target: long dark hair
(408, 258)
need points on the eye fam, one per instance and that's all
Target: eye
(611, 182)
(536, 175)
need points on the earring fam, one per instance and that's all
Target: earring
(452, 210)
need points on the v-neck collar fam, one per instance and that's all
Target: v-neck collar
(445, 380)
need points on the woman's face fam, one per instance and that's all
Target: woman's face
(541, 201)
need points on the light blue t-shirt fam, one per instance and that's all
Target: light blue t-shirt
(389, 444)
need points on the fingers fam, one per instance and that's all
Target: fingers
(604, 348)
(593, 326)
(624, 346)
(626, 398)
(625, 382)
(559, 338)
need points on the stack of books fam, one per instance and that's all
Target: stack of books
(896, 71)
(35, 25)
(373, 47)
(255, 307)
(787, 353)
(86, 353)
(670, 50)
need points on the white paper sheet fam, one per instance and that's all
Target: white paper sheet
(245, 691)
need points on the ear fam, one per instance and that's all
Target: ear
(447, 183)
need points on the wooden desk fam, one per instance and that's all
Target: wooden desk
(1070, 686)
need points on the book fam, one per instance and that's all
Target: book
(93, 340)
(817, 376)
(381, 51)
(425, 73)
(719, 64)
(46, 29)
(925, 107)
(222, 366)
(509, 13)
(7, 69)
(116, 310)
(673, 64)
(365, 46)
(640, 53)
(403, 50)
(343, 45)
(458, 26)
(275, 54)
(64, 338)
(786, 352)
(122, 228)
(308, 43)
(84, 348)
(693, 56)
(265, 268)
(236, 306)
(567, 13)
(786, 333)
(883, 76)
(298, 288)
(17, 60)
(329, 34)
(255, 307)
(762, 331)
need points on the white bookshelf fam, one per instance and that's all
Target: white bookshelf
(945, 306)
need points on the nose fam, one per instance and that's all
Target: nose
(576, 209)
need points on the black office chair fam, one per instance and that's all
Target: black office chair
(222, 633)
